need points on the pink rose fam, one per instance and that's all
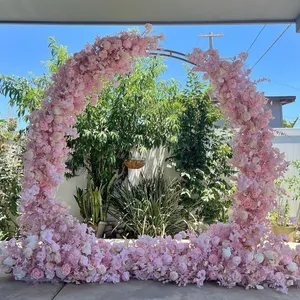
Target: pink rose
(201, 276)
(127, 44)
(58, 119)
(28, 252)
(215, 241)
(102, 269)
(167, 259)
(66, 269)
(37, 274)
(19, 273)
(49, 118)
(292, 267)
(213, 259)
(50, 274)
(279, 277)
(236, 277)
(243, 55)
(148, 27)
(56, 111)
(84, 260)
(182, 267)
(106, 45)
(43, 125)
(243, 183)
(246, 116)
(28, 155)
(12, 242)
(232, 83)
(213, 275)
(236, 260)
(125, 276)
(247, 203)
(243, 215)
(173, 276)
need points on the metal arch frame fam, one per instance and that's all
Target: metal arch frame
(170, 53)
(176, 54)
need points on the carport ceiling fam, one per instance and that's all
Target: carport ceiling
(153, 11)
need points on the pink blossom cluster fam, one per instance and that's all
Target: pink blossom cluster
(254, 156)
(80, 77)
(217, 255)
(56, 247)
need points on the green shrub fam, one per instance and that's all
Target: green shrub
(151, 207)
(201, 154)
(11, 171)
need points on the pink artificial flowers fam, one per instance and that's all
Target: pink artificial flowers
(55, 246)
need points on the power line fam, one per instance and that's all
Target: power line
(291, 118)
(272, 45)
(256, 38)
(283, 84)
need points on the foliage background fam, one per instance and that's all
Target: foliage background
(141, 113)
(11, 170)
(201, 154)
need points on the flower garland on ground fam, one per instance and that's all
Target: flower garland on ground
(56, 247)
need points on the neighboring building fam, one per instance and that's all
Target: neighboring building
(275, 104)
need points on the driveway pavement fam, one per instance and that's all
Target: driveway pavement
(133, 290)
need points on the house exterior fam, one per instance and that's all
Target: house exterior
(276, 103)
(155, 11)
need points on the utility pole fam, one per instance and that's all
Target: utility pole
(210, 36)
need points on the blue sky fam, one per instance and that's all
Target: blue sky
(25, 46)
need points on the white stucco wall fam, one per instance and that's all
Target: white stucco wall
(67, 190)
(288, 142)
(153, 159)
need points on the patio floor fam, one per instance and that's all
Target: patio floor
(133, 290)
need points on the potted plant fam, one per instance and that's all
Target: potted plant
(282, 223)
(134, 162)
(287, 189)
(99, 208)
(151, 206)
(93, 203)
(92, 208)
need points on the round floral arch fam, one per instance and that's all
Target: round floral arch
(55, 246)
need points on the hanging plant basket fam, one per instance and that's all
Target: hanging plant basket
(134, 163)
(290, 231)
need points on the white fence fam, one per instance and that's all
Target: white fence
(288, 141)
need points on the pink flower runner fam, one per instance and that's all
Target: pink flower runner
(55, 246)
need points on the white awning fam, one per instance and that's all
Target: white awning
(152, 11)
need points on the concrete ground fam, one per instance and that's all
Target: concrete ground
(133, 290)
